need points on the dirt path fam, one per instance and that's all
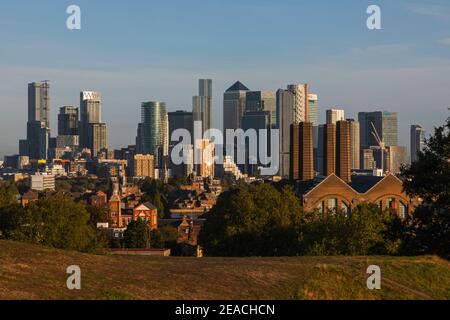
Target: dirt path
(420, 294)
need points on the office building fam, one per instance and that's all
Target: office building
(417, 141)
(143, 166)
(285, 118)
(180, 120)
(38, 126)
(385, 124)
(335, 115)
(234, 102)
(39, 102)
(257, 120)
(355, 145)
(93, 132)
(153, 132)
(262, 101)
(68, 121)
(301, 151)
(202, 104)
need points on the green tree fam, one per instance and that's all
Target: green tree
(8, 194)
(254, 220)
(137, 235)
(429, 179)
(57, 222)
(158, 203)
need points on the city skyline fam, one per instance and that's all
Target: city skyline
(348, 66)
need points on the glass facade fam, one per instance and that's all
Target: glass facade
(153, 130)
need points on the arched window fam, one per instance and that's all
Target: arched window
(332, 204)
(403, 210)
(345, 208)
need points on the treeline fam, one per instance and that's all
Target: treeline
(259, 220)
(56, 222)
(62, 223)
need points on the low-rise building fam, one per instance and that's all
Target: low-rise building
(331, 193)
(43, 182)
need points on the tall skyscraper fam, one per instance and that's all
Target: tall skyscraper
(205, 152)
(256, 120)
(329, 149)
(262, 101)
(38, 125)
(355, 145)
(301, 152)
(202, 104)
(180, 120)
(335, 149)
(335, 115)
(234, 101)
(68, 121)
(301, 102)
(97, 137)
(343, 150)
(38, 137)
(153, 131)
(285, 118)
(313, 116)
(93, 132)
(386, 125)
(39, 102)
(417, 141)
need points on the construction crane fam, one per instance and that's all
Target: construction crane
(381, 144)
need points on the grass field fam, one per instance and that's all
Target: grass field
(34, 272)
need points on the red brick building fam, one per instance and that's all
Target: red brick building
(330, 193)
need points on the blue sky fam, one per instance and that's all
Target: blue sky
(136, 51)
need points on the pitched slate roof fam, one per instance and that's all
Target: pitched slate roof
(362, 184)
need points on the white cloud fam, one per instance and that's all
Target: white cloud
(432, 10)
(445, 41)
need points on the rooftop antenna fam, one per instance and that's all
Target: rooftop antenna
(381, 144)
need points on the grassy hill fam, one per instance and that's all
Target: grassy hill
(34, 272)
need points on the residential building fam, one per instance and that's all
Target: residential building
(68, 121)
(335, 115)
(143, 166)
(42, 182)
(301, 102)
(301, 151)
(355, 145)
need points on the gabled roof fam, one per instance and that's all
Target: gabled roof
(359, 184)
(362, 184)
(237, 86)
(145, 206)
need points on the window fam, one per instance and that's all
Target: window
(332, 204)
(403, 210)
(345, 208)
